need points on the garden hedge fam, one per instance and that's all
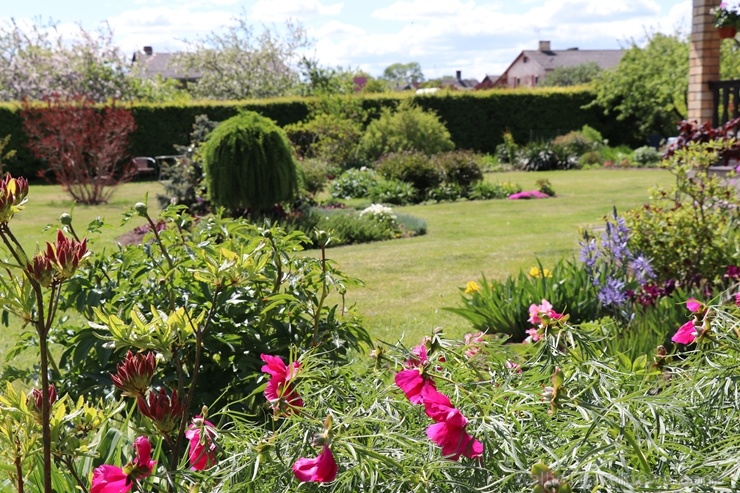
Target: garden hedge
(476, 120)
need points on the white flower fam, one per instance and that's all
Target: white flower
(380, 213)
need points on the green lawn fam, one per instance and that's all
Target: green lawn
(409, 281)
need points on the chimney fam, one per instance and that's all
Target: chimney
(458, 75)
(544, 46)
(148, 50)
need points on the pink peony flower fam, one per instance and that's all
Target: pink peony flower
(693, 305)
(202, 452)
(534, 335)
(112, 479)
(449, 430)
(510, 365)
(686, 333)
(737, 299)
(279, 387)
(412, 382)
(322, 469)
(529, 194)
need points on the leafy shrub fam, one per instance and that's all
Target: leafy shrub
(184, 179)
(690, 231)
(574, 143)
(354, 183)
(447, 192)
(412, 167)
(646, 156)
(502, 307)
(538, 156)
(411, 225)
(347, 227)
(591, 158)
(544, 186)
(259, 294)
(391, 191)
(461, 168)
(507, 151)
(249, 164)
(313, 174)
(409, 128)
(486, 190)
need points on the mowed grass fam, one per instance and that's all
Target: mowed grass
(409, 281)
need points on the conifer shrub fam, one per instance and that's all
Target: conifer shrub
(249, 164)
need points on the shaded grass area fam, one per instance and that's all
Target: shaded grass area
(409, 281)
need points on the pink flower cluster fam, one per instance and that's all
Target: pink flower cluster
(202, 452)
(279, 391)
(688, 332)
(112, 479)
(284, 400)
(540, 316)
(529, 194)
(449, 430)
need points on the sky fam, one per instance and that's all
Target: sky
(477, 37)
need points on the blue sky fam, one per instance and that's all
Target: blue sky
(477, 37)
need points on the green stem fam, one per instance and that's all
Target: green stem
(320, 304)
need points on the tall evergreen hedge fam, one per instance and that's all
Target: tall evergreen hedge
(476, 120)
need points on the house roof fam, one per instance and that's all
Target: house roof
(552, 59)
(152, 64)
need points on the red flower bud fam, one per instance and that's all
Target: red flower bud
(66, 255)
(13, 192)
(135, 373)
(41, 270)
(36, 398)
(165, 411)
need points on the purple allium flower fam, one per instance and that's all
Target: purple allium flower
(614, 240)
(612, 293)
(589, 251)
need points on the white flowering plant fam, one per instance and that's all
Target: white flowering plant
(381, 213)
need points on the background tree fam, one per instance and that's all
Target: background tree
(403, 73)
(84, 146)
(575, 75)
(249, 164)
(649, 86)
(37, 62)
(243, 63)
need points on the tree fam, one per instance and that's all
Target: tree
(403, 73)
(84, 146)
(649, 86)
(37, 62)
(244, 64)
(575, 75)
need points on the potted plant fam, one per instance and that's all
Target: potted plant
(726, 19)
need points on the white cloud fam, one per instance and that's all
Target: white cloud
(272, 10)
(423, 9)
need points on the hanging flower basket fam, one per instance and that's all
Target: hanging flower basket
(726, 32)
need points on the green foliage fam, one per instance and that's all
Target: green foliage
(646, 156)
(544, 186)
(314, 174)
(241, 290)
(649, 86)
(574, 75)
(392, 191)
(354, 183)
(408, 128)
(249, 164)
(502, 307)
(399, 74)
(544, 156)
(413, 167)
(446, 192)
(183, 179)
(485, 190)
(690, 231)
(333, 131)
(461, 168)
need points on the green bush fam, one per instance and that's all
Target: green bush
(249, 164)
(691, 232)
(461, 168)
(646, 156)
(408, 128)
(354, 183)
(412, 167)
(391, 191)
(447, 192)
(314, 174)
(507, 151)
(487, 190)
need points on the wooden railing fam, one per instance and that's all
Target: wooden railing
(726, 96)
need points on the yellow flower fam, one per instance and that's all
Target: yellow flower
(472, 287)
(536, 272)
